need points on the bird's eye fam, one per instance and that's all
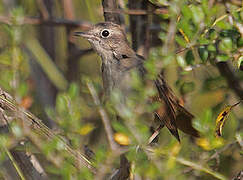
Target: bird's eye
(105, 33)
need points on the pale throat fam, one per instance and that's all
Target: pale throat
(107, 69)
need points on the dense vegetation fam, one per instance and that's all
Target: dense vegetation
(197, 44)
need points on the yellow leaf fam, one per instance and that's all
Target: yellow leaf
(221, 119)
(122, 139)
(204, 143)
(176, 149)
(86, 129)
(208, 144)
(173, 153)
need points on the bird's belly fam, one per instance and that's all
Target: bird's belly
(125, 85)
(117, 82)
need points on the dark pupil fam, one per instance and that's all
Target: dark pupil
(105, 33)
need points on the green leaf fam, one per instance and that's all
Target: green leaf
(212, 47)
(212, 34)
(213, 83)
(61, 104)
(239, 63)
(186, 11)
(205, 6)
(187, 87)
(223, 25)
(119, 127)
(187, 27)
(189, 58)
(241, 14)
(197, 14)
(181, 61)
(204, 41)
(181, 41)
(240, 42)
(23, 89)
(226, 45)
(222, 58)
(73, 90)
(232, 33)
(203, 53)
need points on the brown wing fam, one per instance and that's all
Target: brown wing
(171, 112)
(166, 112)
(184, 121)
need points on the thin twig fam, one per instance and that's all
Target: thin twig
(216, 154)
(138, 11)
(105, 120)
(150, 152)
(80, 53)
(43, 9)
(155, 134)
(110, 8)
(200, 168)
(239, 140)
(221, 150)
(50, 22)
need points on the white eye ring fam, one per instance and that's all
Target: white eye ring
(105, 33)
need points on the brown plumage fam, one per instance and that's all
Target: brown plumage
(119, 59)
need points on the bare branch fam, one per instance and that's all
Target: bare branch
(139, 27)
(49, 22)
(137, 11)
(199, 167)
(218, 152)
(68, 9)
(116, 149)
(80, 53)
(106, 122)
(233, 81)
(112, 15)
(43, 9)
(124, 170)
(155, 134)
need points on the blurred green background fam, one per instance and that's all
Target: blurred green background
(46, 70)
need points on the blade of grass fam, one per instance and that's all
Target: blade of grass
(14, 164)
(47, 64)
(90, 11)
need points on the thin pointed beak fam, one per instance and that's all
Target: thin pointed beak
(83, 34)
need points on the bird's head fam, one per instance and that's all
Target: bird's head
(105, 38)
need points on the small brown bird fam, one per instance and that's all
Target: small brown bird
(119, 60)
